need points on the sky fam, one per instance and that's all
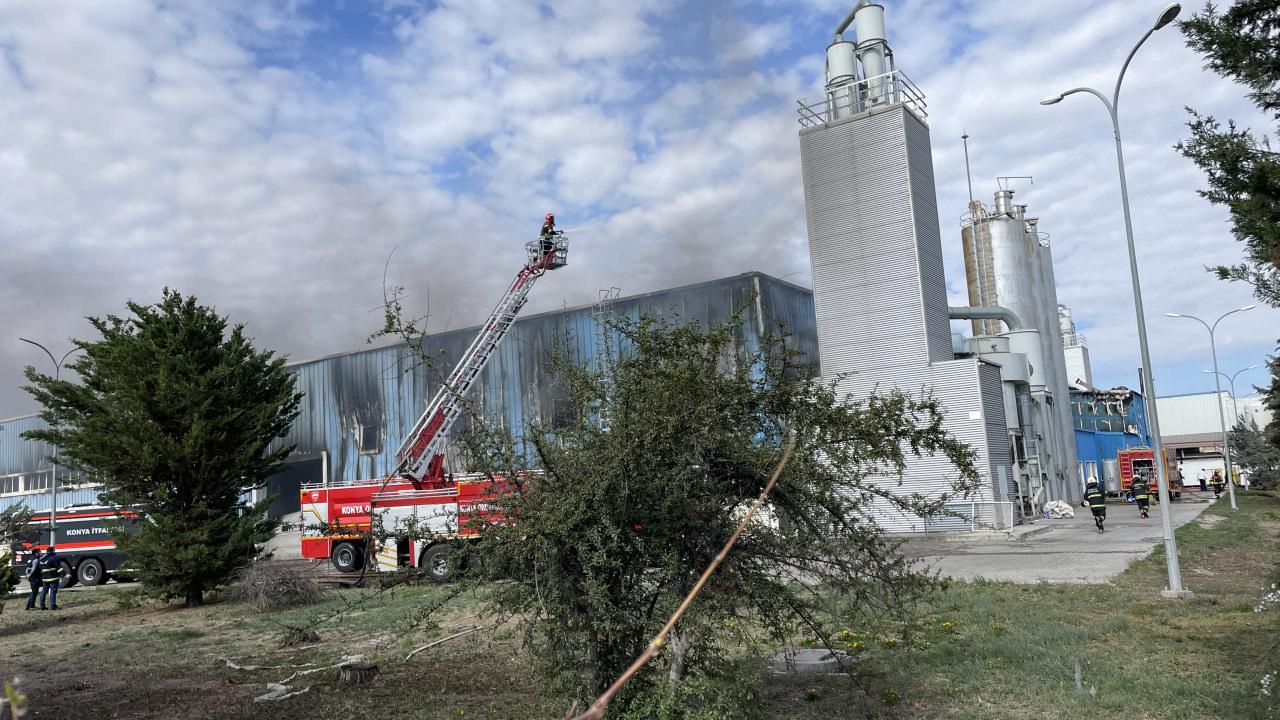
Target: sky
(284, 160)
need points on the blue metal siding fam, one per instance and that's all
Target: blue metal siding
(1099, 446)
(22, 456)
(1101, 432)
(40, 501)
(383, 390)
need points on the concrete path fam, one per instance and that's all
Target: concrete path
(1057, 551)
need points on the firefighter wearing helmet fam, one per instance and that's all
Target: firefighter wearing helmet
(548, 234)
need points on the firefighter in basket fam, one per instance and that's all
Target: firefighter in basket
(1141, 492)
(548, 235)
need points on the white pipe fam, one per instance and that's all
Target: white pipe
(989, 312)
(848, 19)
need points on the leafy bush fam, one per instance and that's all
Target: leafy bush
(725, 692)
(649, 463)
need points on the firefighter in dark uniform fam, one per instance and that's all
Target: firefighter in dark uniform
(1141, 495)
(33, 578)
(548, 234)
(50, 576)
(1217, 484)
(1097, 502)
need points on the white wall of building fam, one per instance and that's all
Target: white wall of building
(1079, 374)
(1187, 415)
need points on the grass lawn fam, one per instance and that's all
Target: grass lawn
(995, 650)
(1011, 650)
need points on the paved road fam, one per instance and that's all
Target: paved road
(1058, 551)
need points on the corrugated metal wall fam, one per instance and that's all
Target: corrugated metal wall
(969, 392)
(1194, 415)
(924, 210)
(22, 456)
(357, 406)
(866, 230)
(381, 392)
(1095, 447)
(880, 293)
(30, 462)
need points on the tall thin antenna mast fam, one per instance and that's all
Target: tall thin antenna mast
(968, 176)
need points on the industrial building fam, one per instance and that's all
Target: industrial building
(1106, 422)
(879, 287)
(358, 406)
(1192, 431)
(876, 319)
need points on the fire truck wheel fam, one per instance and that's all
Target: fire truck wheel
(68, 577)
(439, 563)
(90, 573)
(347, 557)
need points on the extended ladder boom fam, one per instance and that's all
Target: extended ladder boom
(421, 456)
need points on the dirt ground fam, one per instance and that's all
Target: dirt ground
(998, 650)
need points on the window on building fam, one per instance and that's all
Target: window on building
(369, 437)
(10, 484)
(1019, 449)
(36, 481)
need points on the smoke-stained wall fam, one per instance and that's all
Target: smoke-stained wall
(358, 406)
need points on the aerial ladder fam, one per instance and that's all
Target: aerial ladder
(418, 489)
(421, 456)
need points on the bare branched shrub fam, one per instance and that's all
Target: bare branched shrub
(299, 636)
(270, 586)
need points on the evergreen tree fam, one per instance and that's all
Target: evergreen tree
(1271, 399)
(1255, 455)
(648, 466)
(175, 416)
(1242, 44)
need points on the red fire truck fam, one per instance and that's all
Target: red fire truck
(340, 521)
(82, 540)
(1141, 460)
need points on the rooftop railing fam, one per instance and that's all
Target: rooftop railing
(860, 96)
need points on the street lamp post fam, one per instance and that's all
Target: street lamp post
(1231, 382)
(53, 481)
(1148, 376)
(1217, 382)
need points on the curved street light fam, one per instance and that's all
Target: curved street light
(53, 481)
(1148, 383)
(1217, 381)
(1232, 384)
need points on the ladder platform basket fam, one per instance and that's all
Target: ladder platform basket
(557, 247)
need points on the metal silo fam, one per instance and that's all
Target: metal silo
(1008, 265)
(1055, 356)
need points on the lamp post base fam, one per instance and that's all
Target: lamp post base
(1177, 594)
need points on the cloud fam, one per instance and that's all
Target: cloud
(270, 157)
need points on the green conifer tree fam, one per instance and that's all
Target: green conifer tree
(1243, 171)
(176, 417)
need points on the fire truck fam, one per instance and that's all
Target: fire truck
(1141, 461)
(351, 524)
(81, 537)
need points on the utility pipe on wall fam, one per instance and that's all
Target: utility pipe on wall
(991, 312)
